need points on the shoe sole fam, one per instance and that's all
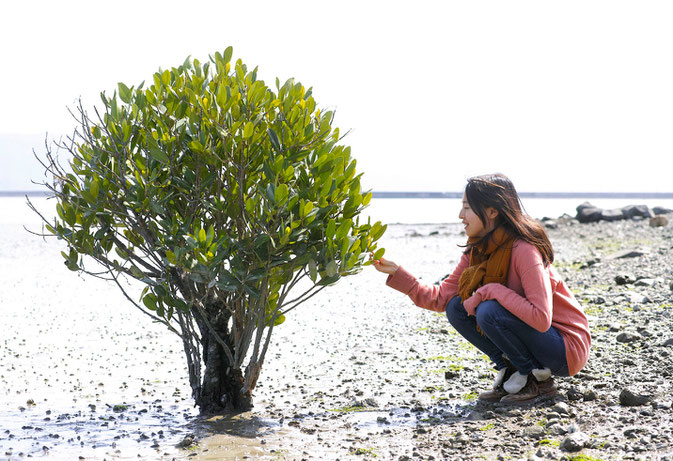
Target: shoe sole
(528, 403)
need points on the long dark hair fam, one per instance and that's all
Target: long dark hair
(497, 191)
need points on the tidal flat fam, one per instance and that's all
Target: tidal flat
(358, 372)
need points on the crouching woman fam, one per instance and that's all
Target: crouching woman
(505, 297)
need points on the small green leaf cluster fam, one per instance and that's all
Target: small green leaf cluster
(208, 183)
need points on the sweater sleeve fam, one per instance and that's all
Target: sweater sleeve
(535, 307)
(431, 297)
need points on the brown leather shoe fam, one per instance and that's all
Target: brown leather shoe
(533, 392)
(494, 395)
(498, 392)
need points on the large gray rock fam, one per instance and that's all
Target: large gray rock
(586, 212)
(632, 211)
(612, 215)
(661, 210)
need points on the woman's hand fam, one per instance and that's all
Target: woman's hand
(384, 265)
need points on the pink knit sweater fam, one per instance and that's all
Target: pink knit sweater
(534, 293)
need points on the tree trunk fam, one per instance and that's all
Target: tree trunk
(220, 391)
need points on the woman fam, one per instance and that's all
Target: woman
(505, 297)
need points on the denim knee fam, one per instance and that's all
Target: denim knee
(488, 312)
(455, 309)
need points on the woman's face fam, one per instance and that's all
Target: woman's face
(474, 227)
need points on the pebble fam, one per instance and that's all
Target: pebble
(628, 337)
(574, 442)
(561, 408)
(629, 398)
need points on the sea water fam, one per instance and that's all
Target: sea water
(445, 210)
(14, 210)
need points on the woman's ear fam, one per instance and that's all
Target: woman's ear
(491, 213)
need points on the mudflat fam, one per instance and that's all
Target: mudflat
(358, 372)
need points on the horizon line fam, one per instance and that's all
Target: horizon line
(435, 194)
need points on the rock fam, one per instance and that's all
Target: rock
(661, 210)
(658, 221)
(628, 337)
(628, 398)
(586, 213)
(644, 282)
(624, 279)
(186, 442)
(637, 298)
(551, 224)
(667, 343)
(634, 211)
(561, 408)
(574, 442)
(534, 432)
(628, 253)
(589, 395)
(574, 394)
(451, 374)
(612, 215)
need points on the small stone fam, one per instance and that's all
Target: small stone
(534, 432)
(589, 395)
(561, 408)
(574, 394)
(186, 442)
(574, 442)
(637, 298)
(628, 398)
(624, 279)
(667, 343)
(644, 282)
(629, 253)
(627, 337)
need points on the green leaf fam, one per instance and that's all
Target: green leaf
(158, 155)
(331, 269)
(273, 138)
(331, 229)
(313, 270)
(248, 130)
(202, 236)
(228, 52)
(281, 193)
(379, 253)
(124, 93)
(279, 320)
(94, 189)
(150, 301)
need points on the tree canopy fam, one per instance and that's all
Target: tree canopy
(230, 201)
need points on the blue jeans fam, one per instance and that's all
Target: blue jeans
(505, 335)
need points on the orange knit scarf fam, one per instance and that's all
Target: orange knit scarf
(489, 267)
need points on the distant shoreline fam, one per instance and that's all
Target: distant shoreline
(585, 195)
(392, 194)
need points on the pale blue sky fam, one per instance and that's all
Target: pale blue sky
(561, 96)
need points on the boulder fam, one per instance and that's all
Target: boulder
(612, 215)
(586, 212)
(658, 221)
(633, 211)
(661, 210)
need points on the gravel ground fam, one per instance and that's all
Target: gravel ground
(359, 373)
(391, 381)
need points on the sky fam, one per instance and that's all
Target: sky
(560, 96)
